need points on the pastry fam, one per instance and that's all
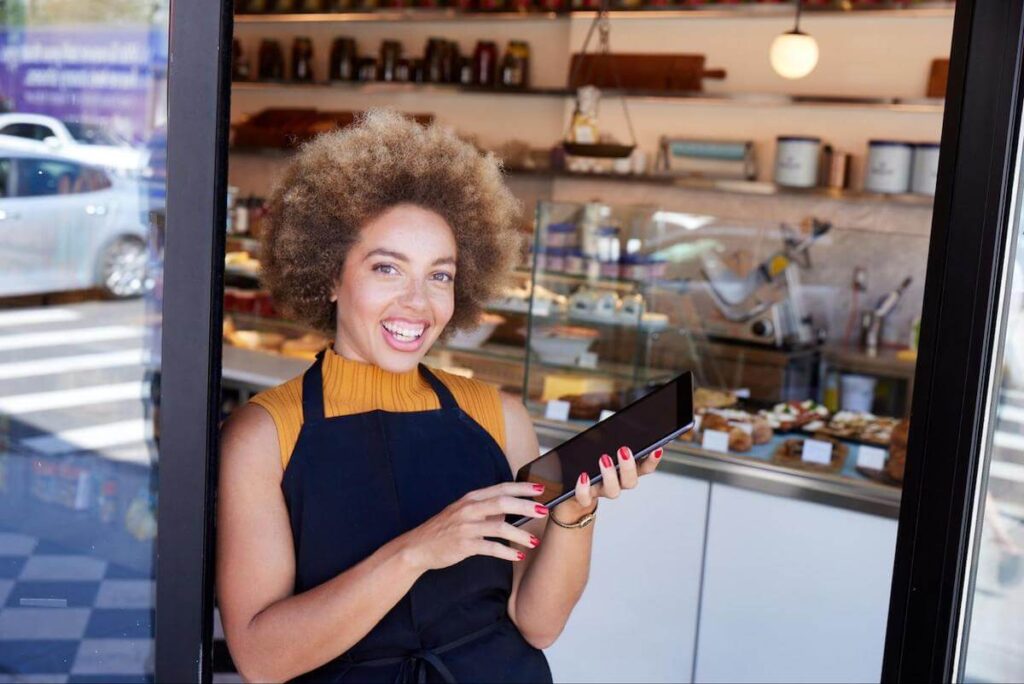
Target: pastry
(897, 462)
(762, 432)
(709, 398)
(713, 421)
(739, 440)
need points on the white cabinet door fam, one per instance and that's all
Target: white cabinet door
(636, 621)
(793, 591)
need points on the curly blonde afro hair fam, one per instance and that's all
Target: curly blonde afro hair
(342, 180)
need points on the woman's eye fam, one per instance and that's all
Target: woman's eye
(443, 277)
(386, 269)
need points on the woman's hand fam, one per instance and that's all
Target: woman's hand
(612, 483)
(459, 531)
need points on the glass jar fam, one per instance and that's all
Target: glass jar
(271, 60)
(343, 59)
(485, 64)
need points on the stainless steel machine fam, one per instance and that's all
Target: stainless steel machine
(765, 305)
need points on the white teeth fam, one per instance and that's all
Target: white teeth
(403, 332)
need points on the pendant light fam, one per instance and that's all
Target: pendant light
(794, 54)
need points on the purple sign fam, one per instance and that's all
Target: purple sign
(115, 77)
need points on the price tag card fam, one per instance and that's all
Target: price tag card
(605, 413)
(557, 409)
(542, 307)
(715, 440)
(696, 422)
(870, 457)
(816, 451)
(587, 360)
(742, 392)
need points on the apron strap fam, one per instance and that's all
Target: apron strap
(313, 391)
(443, 394)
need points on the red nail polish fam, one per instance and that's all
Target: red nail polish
(584, 478)
(542, 510)
(538, 487)
(520, 555)
(606, 461)
(534, 542)
(623, 454)
(658, 453)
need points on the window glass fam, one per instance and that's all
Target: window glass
(80, 306)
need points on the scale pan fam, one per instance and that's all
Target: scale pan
(599, 150)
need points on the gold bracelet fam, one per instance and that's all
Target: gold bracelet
(585, 521)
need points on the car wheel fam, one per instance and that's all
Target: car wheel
(122, 268)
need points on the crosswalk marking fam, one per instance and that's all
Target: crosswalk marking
(58, 338)
(1008, 440)
(35, 316)
(67, 364)
(89, 438)
(68, 398)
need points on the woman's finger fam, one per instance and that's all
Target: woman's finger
(526, 489)
(627, 468)
(610, 487)
(498, 550)
(650, 464)
(504, 505)
(498, 529)
(584, 492)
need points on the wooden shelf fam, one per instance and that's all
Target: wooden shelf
(759, 100)
(901, 9)
(737, 187)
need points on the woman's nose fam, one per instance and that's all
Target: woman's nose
(414, 293)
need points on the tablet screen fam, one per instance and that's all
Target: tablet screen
(644, 425)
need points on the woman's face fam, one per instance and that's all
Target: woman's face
(397, 289)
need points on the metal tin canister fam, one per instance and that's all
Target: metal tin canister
(888, 167)
(926, 168)
(796, 161)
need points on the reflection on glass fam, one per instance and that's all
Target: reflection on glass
(82, 145)
(995, 637)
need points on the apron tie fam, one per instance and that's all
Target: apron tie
(415, 665)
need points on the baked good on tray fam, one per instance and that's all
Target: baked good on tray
(704, 398)
(858, 426)
(790, 453)
(793, 415)
(898, 450)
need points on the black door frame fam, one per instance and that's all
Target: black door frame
(198, 110)
(970, 232)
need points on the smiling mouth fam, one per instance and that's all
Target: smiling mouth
(404, 333)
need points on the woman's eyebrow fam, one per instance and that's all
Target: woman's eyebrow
(380, 251)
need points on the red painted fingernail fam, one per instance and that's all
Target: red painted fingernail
(541, 510)
(623, 454)
(520, 555)
(658, 453)
(584, 478)
(606, 461)
(534, 542)
(538, 488)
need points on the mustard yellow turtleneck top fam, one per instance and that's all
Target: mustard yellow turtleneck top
(352, 387)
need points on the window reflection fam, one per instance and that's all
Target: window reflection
(82, 144)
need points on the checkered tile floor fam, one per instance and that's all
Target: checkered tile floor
(71, 618)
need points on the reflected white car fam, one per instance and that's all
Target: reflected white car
(86, 143)
(67, 226)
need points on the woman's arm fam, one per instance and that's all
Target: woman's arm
(548, 584)
(274, 635)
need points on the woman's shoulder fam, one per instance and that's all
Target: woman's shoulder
(283, 403)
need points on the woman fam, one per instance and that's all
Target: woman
(360, 517)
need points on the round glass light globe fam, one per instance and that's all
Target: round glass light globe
(794, 54)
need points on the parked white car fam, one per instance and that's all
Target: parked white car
(86, 143)
(67, 226)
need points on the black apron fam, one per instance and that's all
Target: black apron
(356, 482)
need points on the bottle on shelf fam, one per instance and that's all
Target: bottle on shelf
(343, 59)
(485, 64)
(302, 60)
(240, 69)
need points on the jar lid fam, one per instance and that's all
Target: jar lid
(562, 228)
(798, 138)
(888, 143)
